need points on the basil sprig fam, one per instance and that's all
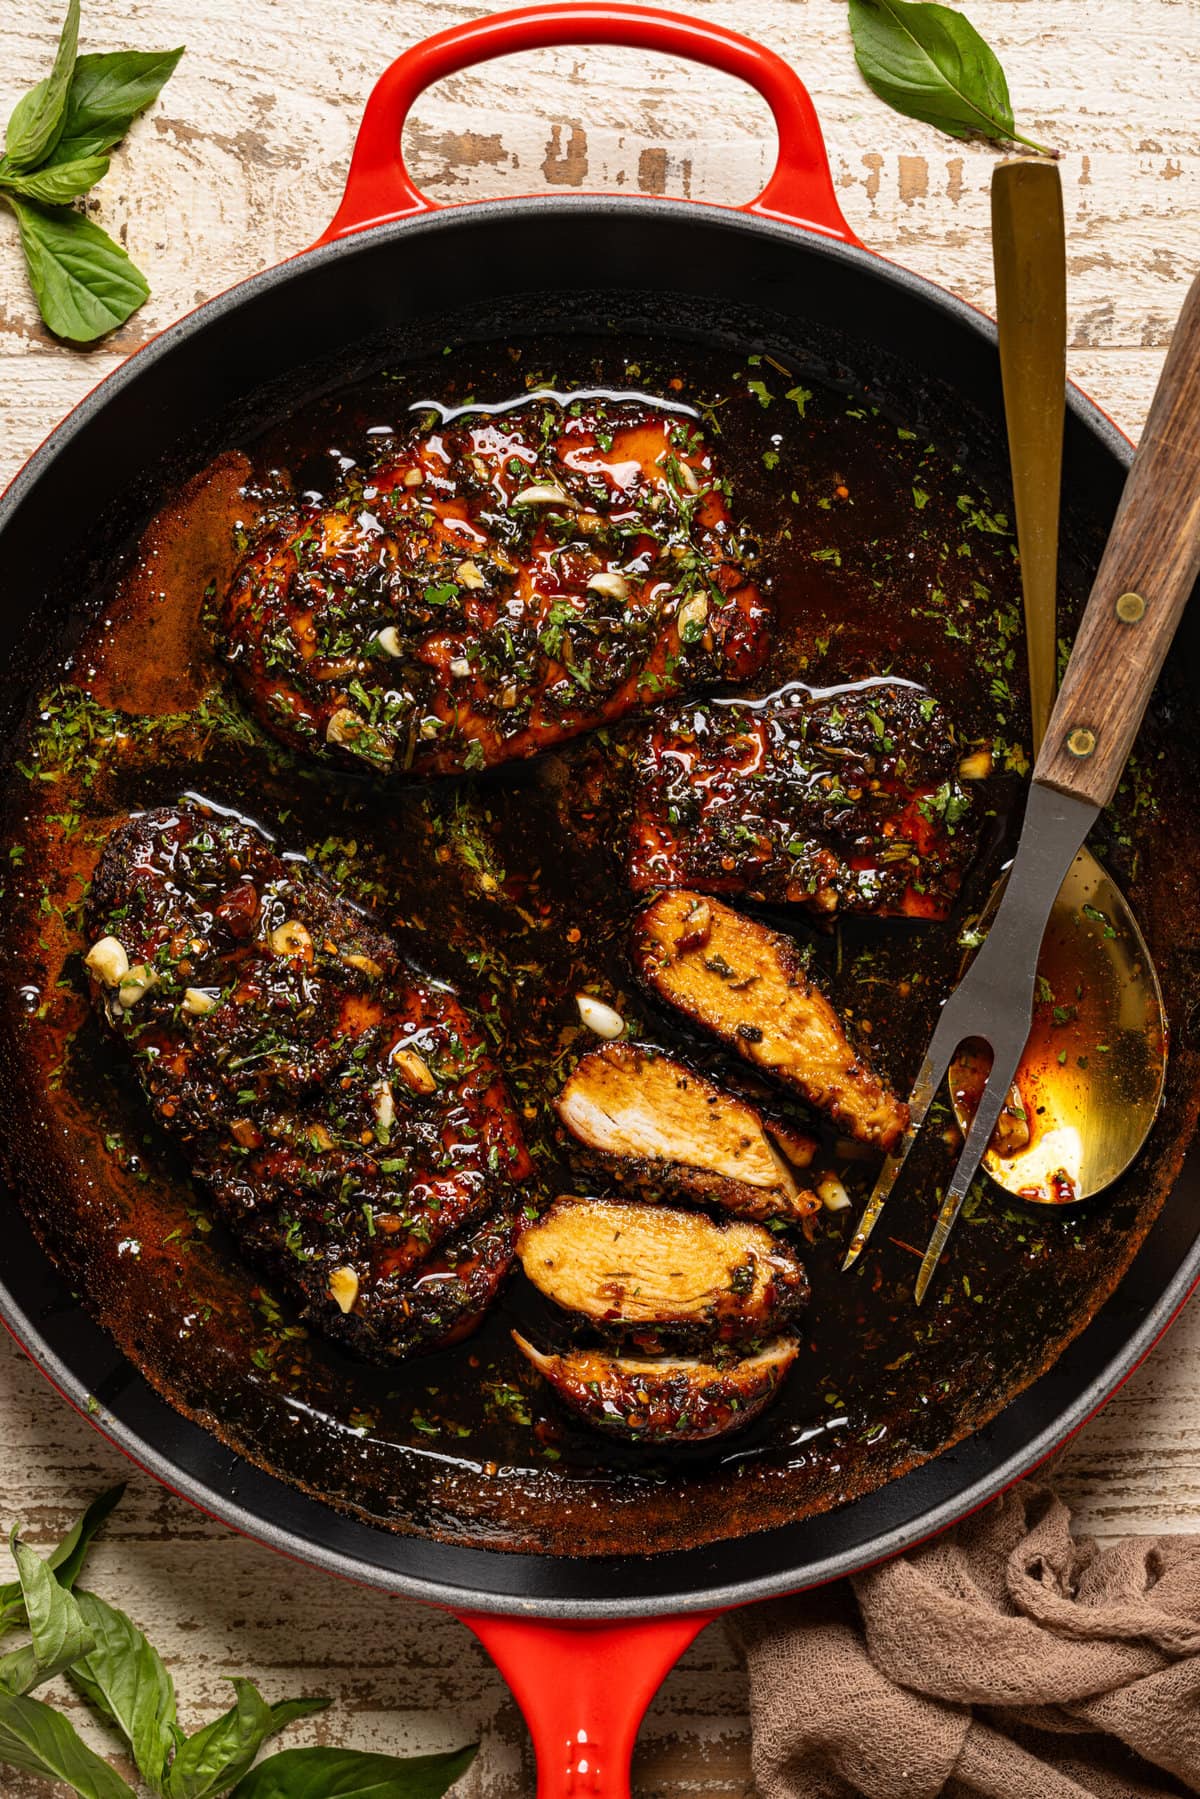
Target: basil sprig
(128, 1686)
(55, 151)
(929, 63)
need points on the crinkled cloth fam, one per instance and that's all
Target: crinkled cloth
(1005, 1659)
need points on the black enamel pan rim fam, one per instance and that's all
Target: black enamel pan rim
(194, 1464)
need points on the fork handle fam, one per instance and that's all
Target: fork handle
(1145, 578)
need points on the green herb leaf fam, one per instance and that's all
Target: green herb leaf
(217, 1756)
(930, 63)
(84, 283)
(59, 1633)
(123, 1677)
(39, 1740)
(37, 120)
(106, 95)
(346, 1774)
(66, 1560)
(59, 183)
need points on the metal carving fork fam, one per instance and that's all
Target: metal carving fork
(1146, 576)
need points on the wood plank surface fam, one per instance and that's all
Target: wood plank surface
(241, 163)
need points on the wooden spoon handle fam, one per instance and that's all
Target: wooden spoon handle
(1029, 252)
(1145, 578)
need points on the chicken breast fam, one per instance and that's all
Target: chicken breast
(343, 1112)
(671, 1127)
(747, 985)
(498, 583)
(662, 1274)
(667, 1400)
(845, 800)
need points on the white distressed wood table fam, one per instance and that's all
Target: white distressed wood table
(241, 163)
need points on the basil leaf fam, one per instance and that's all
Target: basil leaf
(124, 1678)
(58, 183)
(347, 1774)
(106, 95)
(84, 283)
(39, 1740)
(19, 1670)
(929, 63)
(66, 1559)
(217, 1756)
(37, 120)
(59, 1633)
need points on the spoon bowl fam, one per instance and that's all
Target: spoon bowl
(1091, 1079)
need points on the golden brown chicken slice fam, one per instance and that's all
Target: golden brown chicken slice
(663, 1274)
(672, 1127)
(668, 1400)
(748, 986)
(497, 584)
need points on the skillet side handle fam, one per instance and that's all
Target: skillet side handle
(380, 189)
(583, 1690)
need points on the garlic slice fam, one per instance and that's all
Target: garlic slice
(291, 939)
(545, 493)
(598, 1017)
(832, 1194)
(139, 980)
(384, 1105)
(108, 960)
(343, 1288)
(345, 726)
(693, 616)
(414, 1070)
(611, 583)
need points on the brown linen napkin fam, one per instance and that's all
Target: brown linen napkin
(1006, 1659)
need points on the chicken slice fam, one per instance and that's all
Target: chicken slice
(668, 1400)
(672, 1126)
(747, 985)
(664, 1274)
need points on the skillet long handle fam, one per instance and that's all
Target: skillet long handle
(1145, 578)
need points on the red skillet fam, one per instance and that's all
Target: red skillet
(584, 1642)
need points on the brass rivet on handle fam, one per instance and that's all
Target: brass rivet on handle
(1130, 608)
(1081, 742)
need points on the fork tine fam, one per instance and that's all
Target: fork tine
(991, 1104)
(932, 1071)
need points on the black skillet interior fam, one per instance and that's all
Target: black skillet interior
(162, 417)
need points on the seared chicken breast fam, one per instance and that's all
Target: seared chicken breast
(497, 583)
(342, 1111)
(856, 799)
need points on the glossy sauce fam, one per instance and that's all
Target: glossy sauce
(884, 556)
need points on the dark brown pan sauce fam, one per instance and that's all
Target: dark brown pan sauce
(883, 557)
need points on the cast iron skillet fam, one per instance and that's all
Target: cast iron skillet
(584, 1642)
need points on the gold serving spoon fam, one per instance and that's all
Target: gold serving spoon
(1091, 1077)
